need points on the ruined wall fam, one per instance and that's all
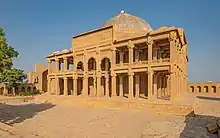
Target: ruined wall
(205, 88)
(39, 77)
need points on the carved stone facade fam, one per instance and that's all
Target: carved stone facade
(128, 62)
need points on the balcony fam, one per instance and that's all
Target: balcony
(162, 60)
(122, 66)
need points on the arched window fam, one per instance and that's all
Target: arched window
(206, 89)
(214, 89)
(191, 89)
(198, 88)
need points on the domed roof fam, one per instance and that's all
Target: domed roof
(125, 21)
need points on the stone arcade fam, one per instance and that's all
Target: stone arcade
(125, 58)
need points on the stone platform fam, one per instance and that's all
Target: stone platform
(146, 105)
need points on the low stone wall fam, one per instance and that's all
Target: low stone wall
(16, 99)
(205, 89)
(160, 107)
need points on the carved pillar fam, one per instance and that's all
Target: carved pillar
(94, 86)
(85, 77)
(164, 85)
(65, 85)
(150, 83)
(130, 49)
(107, 85)
(150, 47)
(172, 38)
(173, 84)
(131, 85)
(137, 85)
(155, 86)
(75, 85)
(57, 86)
(113, 57)
(49, 66)
(159, 85)
(65, 62)
(57, 65)
(121, 91)
(113, 91)
(85, 85)
(49, 85)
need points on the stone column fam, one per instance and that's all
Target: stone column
(65, 85)
(99, 86)
(113, 90)
(49, 85)
(75, 86)
(85, 85)
(94, 86)
(49, 66)
(57, 86)
(168, 85)
(150, 83)
(173, 84)
(159, 86)
(113, 50)
(121, 91)
(155, 85)
(150, 47)
(172, 38)
(57, 65)
(131, 85)
(85, 78)
(131, 56)
(137, 86)
(65, 62)
(107, 86)
(164, 86)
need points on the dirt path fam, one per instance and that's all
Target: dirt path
(63, 121)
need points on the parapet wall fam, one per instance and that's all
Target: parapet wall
(205, 88)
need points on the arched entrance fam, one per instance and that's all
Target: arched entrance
(92, 77)
(106, 78)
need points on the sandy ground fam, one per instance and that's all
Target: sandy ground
(67, 121)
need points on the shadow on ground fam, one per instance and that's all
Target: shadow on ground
(11, 114)
(196, 126)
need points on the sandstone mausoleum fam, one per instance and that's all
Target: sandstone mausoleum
(125, 58)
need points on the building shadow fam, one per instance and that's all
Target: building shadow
(195, 126)
(11, 114)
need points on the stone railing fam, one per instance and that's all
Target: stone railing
(121, 65)
(162, 60)
(139, 63)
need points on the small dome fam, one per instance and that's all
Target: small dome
(125, 21)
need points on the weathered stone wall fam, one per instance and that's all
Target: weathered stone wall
(39, 77)
(205, 88)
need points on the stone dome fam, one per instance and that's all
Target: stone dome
(125, 21)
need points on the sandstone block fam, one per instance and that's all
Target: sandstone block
(219, 133)
(218, 123)
(212, 128)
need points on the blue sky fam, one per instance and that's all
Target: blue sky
(36, 28)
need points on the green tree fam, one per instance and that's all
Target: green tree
(7, 73)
